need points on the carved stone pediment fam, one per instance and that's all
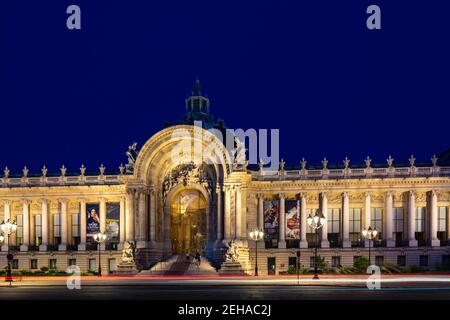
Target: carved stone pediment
(188, 173)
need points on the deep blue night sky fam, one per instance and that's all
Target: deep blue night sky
(310, 68)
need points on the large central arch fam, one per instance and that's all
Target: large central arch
(183, 157)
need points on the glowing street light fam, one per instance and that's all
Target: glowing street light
(99, 237)
(316, 223)
(256, 235)
(369, 234)
(8, 228)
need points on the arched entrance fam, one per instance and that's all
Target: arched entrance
(188, 222)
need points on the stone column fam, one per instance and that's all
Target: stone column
(122, 223)
(325, 243)
(44, 222)
(83, 218)
(261, 212)
(102, 219)
(411, 219)
(282, 222)
(227, 215)
(346, 243)
(435, 242)
(152, 224)
(129, 216)
(6, 216)
(303, 223)
(63, 245)
(142, 235)
(219, 214)
(390, 242)
(367, 209)
(238, 218)
(26, 225)
(102, 215)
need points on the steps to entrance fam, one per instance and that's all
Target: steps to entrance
(205, 268)
(179, 267)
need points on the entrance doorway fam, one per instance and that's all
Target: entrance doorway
(188, 222)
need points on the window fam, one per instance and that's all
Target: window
(334, 225)
(420, 219)
(423, 261)
(420, 225)
(335, 262)
(76, 228)
(15, 264)
(399, 223)
(19, 231)
(37, 229)
(33, 264)
(446, 261)
(72, 262)
(292, 262)
(379, 260)
(57, 228)
(442, 223)
(92, 265)
(52, 263)
(401, 261)
(376, 221)
(112, 264)
(355, 225)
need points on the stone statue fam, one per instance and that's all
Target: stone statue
(232, 254)
(346, 162)
(324, 162)
(368, 162)
(63, 171)
(239, 157)
(102, 170)
(390, 161)
(25, 172)
(121, 169)
(6, 173)
(303, 163)
(44, 171)
(129, 252)
(132, 155)
(82, 170)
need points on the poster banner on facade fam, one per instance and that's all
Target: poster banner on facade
(113, 222)
(271, 219)
(292, 208)
(92, 220)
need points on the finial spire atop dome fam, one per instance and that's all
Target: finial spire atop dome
(197, 88)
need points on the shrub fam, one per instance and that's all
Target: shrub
(44, 269)
(361, 264)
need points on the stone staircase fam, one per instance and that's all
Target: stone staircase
(179, 267)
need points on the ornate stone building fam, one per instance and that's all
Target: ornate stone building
(168, 206)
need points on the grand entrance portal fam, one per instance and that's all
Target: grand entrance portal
(188, 222)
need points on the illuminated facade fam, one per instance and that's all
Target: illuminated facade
(168, 207)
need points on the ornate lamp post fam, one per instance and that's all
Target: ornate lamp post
(8, 228)
(256, 235)
(316, 223)
(369, 234)
(99, 237)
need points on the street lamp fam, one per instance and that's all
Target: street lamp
(369, 234)
(99, 237)
(8, 228)
(256, 235)
(316, 223)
